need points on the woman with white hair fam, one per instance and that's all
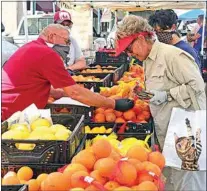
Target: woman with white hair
(173, 77)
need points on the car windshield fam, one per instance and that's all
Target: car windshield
(35, 25)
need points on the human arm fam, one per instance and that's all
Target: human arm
(77, 54)
(78, 65)
(57, 93)
(88, 97)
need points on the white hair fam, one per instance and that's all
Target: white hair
(132, 24)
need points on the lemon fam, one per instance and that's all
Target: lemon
(87, 129)
(109, 130)
(62, 134)
(95, 130)
(20, 127)
(43, 130)
(102, 129)
(40, 122)
(15, 134)
(48, 137)
(57, 127)
(25, 146)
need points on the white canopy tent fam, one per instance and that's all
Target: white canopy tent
(138, 5)
(131, 6)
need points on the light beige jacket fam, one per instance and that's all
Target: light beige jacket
(168, 68)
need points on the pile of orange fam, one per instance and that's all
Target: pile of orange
(140, 113)
(94, 168)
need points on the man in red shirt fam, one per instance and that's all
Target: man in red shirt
(28, 75)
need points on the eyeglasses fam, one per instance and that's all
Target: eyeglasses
(67, 41)
(129, 50)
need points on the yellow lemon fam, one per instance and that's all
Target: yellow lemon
(102, 129)
(57, 127)
(109, 130)
(87, 129)
(43, 130)
(40, 122)
(20, 127)
(15, 134)
(95, 130)
(62, 134)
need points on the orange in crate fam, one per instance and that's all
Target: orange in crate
(55, 182)
(137, 152)
(111, 185)
(101, 148)
(25, 173)
(126, 173)
(86, 158)
(129, 115)
(147, 185)
(77, 181)
(99, 118)
(96, 175)
(120, 120)
(41, 178)
(110, 117)
(105, 166)
(157, 158)
(33, 185)
(10, 180)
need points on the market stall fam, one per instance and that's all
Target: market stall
(71, 146)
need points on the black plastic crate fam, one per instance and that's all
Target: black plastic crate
(37, 168)
(72, 109)
(105, 82)
(115, 73)
(103, 64)
(136, 127)
(106, 125)
(109, 57)
(140, 136)
(19, 187)
(45, 151)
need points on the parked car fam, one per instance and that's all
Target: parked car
(35, 25)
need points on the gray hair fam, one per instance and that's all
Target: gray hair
(46, 31)
(132, 24)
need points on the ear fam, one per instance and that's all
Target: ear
(174, 27)
(175, 137)
(50, 38)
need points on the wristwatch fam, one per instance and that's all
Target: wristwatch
(169, 97)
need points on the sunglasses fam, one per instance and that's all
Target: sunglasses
(129, 50)
(67, 41)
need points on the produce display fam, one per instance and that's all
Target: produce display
(97, 129)
(99, 167)
(40, 129)
(81, 78)
(139, 113)
(99, 69)
(106, 159)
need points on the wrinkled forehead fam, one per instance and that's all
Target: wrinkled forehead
(62, 32)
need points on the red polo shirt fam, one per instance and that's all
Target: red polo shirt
(28, 75)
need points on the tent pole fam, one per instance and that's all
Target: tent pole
(34, 7)
(203, 32)
(53, 6)
(99, 20)
(25, 20)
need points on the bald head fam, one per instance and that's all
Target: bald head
(55, 34)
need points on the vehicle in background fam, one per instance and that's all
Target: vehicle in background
(35, 25)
